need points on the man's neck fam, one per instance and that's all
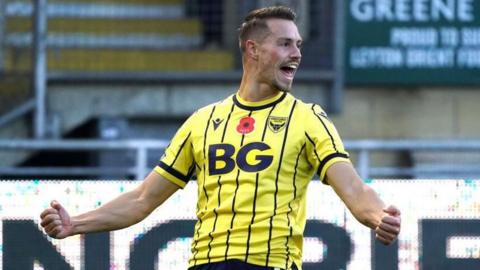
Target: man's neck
(254, 91)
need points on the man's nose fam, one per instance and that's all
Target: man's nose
(296, 54)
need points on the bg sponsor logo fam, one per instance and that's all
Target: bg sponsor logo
(252, 157)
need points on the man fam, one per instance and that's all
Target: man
(254, 154)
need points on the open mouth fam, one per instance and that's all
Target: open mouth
(289, 69)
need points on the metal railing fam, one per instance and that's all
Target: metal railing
(364, 149)
(96, 10)
(139, 169)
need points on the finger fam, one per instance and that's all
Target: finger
(386, 235)
(392, 210)
(53, 225)
(390, 227)
(383, 240)
(49, 219)
(47, 212)
(394, 221)
(387, 231)
(54, 231)
(56, 205)
(61, 210)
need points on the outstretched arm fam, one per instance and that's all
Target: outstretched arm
(123, 211)
(364, 203)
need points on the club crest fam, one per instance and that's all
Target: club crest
(276, 124)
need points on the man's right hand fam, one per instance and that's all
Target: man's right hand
(56, 221)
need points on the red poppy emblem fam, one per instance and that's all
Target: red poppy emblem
(246, 125)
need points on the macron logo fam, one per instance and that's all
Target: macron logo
(216, 123)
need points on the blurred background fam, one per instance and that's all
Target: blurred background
(95, 89)
(405, 79)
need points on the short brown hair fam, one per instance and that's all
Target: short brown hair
(255, 22)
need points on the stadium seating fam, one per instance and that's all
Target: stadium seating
(14, 89)
(112, 35)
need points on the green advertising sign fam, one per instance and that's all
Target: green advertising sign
(412, 42)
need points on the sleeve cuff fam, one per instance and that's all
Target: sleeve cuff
(329, 161)
(170, 177)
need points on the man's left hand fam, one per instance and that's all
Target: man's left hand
(389, 228)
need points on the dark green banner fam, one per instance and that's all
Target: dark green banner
(412, 42)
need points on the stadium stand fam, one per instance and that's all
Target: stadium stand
(14, 89)
(168, 45)
(112, 35)
(106, 36)
(88, 37)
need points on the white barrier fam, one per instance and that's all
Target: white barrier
(418, 200)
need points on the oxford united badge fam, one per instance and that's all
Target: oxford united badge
(276, 124)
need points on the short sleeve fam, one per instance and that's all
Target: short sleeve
(177, 163)
(324, 146)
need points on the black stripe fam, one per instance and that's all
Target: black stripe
(256, 191)
(295, 173)
(288, 248)
(195, 250)
(205, 133)
(325, 126)
(276, 182)
(205, 155)
(233, 216)
(194, 161)
(253, 219)
(210, 233)
(256, 108)
(234, 199)
(226, 122)
(266, 124)
(219, 183)
(314, 148)
(191, 171)
(216, 218)
(180, 150)
(173, 172)
(327, 159)
(166, 148)
(290, 204)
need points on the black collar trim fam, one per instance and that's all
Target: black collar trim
(256, 108)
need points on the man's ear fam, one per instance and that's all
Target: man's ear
(251, 48)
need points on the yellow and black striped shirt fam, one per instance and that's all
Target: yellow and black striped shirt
(253, 162)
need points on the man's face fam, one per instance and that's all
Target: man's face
(280, 55)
